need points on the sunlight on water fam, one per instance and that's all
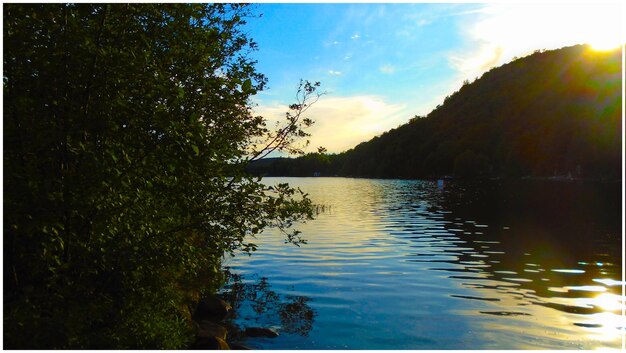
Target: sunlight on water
(609, 302)
(408, 265)
(566, 270)
(608, 281)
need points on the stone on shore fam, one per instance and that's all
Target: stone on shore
(261, 332)
(208, 328)
(212, 343)
(212, 307)
(239, 346)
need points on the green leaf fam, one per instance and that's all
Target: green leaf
(246, 87)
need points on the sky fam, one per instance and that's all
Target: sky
(382, 64)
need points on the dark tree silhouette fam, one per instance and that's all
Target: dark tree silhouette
(551, 113)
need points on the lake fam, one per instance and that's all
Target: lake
(410, 264)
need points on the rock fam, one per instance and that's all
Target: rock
(239, 346)
(208, 328)
(213, 343)
(212, 307)
(261, 332)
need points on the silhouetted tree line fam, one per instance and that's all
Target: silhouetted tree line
(311, 164)
(552, 113)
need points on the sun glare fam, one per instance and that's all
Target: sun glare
(604, 45)
(601, 33)
(609, 302)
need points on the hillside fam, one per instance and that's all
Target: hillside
(551, 113)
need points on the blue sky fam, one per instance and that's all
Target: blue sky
(382, 64)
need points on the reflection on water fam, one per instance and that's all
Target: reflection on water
(256, 304)
(416, 265)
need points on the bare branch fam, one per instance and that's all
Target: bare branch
(283, 140)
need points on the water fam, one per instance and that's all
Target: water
(396, 264)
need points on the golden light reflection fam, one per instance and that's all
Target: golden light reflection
(609, 302)
(607, 325)
(603, 322)
(608, 329)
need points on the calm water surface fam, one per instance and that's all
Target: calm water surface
(394, 264)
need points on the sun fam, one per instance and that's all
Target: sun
(604, 44)
(601, 33)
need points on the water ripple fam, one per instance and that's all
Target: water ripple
(407, 265)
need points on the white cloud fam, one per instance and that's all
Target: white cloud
(343, 122)
(387, 69)
(356, 36)
(500, 31)
(334, 73)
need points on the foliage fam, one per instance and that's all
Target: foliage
(126, 130)
(551, 113)
(470, 165)
(310, 164)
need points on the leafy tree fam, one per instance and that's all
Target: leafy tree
(126, 130)
(470, 165)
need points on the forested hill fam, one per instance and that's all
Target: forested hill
(551, 113)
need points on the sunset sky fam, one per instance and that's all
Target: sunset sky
(382, 64)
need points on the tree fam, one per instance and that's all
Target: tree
(470, 165)
(555, 111)
(126, 130)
